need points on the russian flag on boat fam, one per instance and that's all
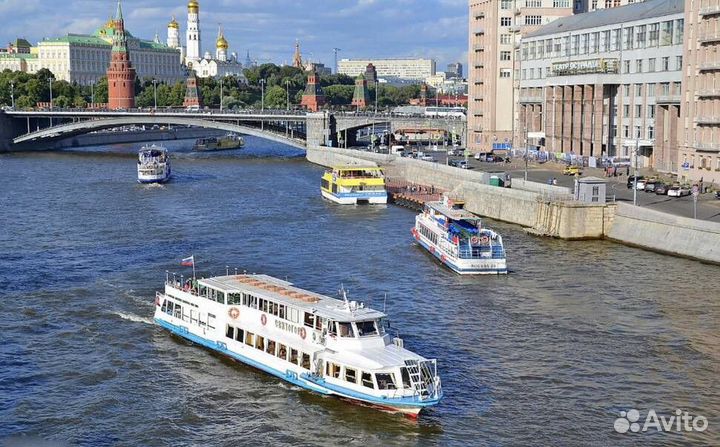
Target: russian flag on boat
(188, 262)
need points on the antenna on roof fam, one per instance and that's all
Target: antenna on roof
(343, 294)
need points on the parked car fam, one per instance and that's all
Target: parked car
(631, 180)
(572, 170)
(462, 164)
(650, 185)
(661, 189)
(482, 156)
(427, 158)
(717, 195)
(678, 191)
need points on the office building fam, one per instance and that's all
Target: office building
(411, 69)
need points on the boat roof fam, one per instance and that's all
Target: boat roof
(452, 213)
(356, 168)
(284, 292)
(153, 148)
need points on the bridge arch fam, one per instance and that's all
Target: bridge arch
(81, 127)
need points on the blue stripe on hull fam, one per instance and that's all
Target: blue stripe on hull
(457, 269)
(322, 387)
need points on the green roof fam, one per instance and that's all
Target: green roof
(82, 39)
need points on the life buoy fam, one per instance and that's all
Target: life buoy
(474, 240)
(263, 319)
(234, 313)
(484, 239)
(432, 250)
(443, 258)
(303, 334)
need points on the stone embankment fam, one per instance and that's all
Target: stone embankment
(544, 209)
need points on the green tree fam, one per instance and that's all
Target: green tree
(275, 98)
(339, 95)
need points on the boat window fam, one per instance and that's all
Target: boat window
(211, 321)
(234, 298)
(350, 375)
(294, 315)
(251, 301)
(194, 316)
(293, 356)
(345, 329)
(309, 319)
(220, 297)
(281, 311)
(305, 361)
(319, 323)
(367, 380)
(249, 338)
(282, 351)
(385, 381)
(366, 328)
(331, 328)
(164, 305)
(230, 332)
(177, 313)
(202, 290)
(239, 334)
(332, 370)
(259, 342)
(270, 347)
(405, 377)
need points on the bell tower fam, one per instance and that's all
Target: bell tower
(121, 74)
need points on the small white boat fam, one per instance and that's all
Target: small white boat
(322, 344)
(456, 238)
(153, 164)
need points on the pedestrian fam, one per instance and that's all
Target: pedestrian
(627, 170)
(554, 181)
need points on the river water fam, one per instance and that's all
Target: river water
(547, 355)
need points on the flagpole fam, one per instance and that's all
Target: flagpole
(193, 261)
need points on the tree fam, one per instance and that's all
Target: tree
(339, 95)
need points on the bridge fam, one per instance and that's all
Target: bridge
(295, 128)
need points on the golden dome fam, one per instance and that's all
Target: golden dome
(221, 43)
(173, 24)
(193, 6)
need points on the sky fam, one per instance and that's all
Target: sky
(267, 28)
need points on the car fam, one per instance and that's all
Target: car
(661, 189)
(462, 164)
(482, 156)
(631, 180)
(678, 191)
(427, 158)
(717, 195)
(572, 170)
(650, 185)
(641, 184)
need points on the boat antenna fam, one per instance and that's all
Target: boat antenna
(343, 294)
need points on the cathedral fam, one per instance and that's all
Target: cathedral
(205, 65)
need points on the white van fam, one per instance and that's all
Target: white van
(397, 149)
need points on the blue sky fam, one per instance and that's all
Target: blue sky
(268, 28)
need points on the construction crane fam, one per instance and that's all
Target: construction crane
(335, 50)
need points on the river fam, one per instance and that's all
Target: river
(547, 355)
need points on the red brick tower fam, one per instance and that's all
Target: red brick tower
(313, 98)
(192, 94)
(120, 74)
(360, 97)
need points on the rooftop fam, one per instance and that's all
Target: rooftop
(611, 16)
(452, 213)
(284, 292)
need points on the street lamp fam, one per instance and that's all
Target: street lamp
(50, 80)
(92, 95)
(221, 93)
(12, 95)
(287, 91)
(526, 153)
(154, 82)
(635, 179)
(262, 94)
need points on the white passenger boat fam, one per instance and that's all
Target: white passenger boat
(330, 346)
(153, 164)
(456, 237)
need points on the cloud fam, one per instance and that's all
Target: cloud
(268, 28)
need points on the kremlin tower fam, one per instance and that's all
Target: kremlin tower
(297, 57)
(221, 47)
(193, 32)
(120, 74)
(313, 98)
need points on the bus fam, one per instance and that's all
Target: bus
(442, 112)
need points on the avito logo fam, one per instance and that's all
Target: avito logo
(681, 421)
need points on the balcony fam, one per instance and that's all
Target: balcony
(667, 99)
(709, 38)
(709, 66)
(710, 11)
(531, 100)
(707, 120)
(707, 147)
(708, 93)
(479, 31)
(479, 16)
(478, 48)
(479, 66)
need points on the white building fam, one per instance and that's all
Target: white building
(414, 69)
(193, 33)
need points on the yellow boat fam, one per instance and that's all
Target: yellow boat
(351, 185)
(229, 141)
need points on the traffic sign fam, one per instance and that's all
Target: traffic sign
(695, 191)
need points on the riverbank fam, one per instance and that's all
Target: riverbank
(545, 210)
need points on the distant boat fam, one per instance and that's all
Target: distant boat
(153, 164)
(456, 237)
(352, 185)
(229, 141)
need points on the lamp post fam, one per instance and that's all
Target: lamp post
(92, 95)
(12, 95)
(287, 92)
(635, 177)
(154, 82)
(526, 153)
(221, 93)
(262, 94)
(50, 80)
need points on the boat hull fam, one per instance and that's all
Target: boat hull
(462, 266)
(305, 381)
(356, 198)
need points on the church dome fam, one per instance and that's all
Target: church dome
(173, 24)
(193, 6)
(221, 43)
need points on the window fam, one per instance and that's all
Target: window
(640, 37)
(533, 3)
(561, 3)
(230, 332)
(651, 90)
(678, 62)
(234, 298)
(505, 55)
(638, 90)
(665, 63)
(639, 66)
(506, 4)
(575, 45)
(385, 381)
(626, 66)
(305, 361)
(309, 319)
(626, 90)
(606, 41)
(345, 329)
(533, 20)
(366, 328)
(367, 380)
(505, 21)
(651, 64)
(679, 31)
(260, 342)
(595, 43)
(666, 36)
(628, 38)
(651, 132)
(638, 111)
(350, 375)
(505, 72)
(294, 358)
(654, 34)
(249, 338)
(626, 110)
(626, 131)
(637, 132)
(505, 39)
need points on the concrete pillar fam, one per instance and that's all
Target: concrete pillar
(567, 118)
(559, 115)
(598, 119)
(9, 129)
(587, 119)
(673, 121)
(660, 150)
(549, 114)
(576, 141)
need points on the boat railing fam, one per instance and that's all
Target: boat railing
(482, 252)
